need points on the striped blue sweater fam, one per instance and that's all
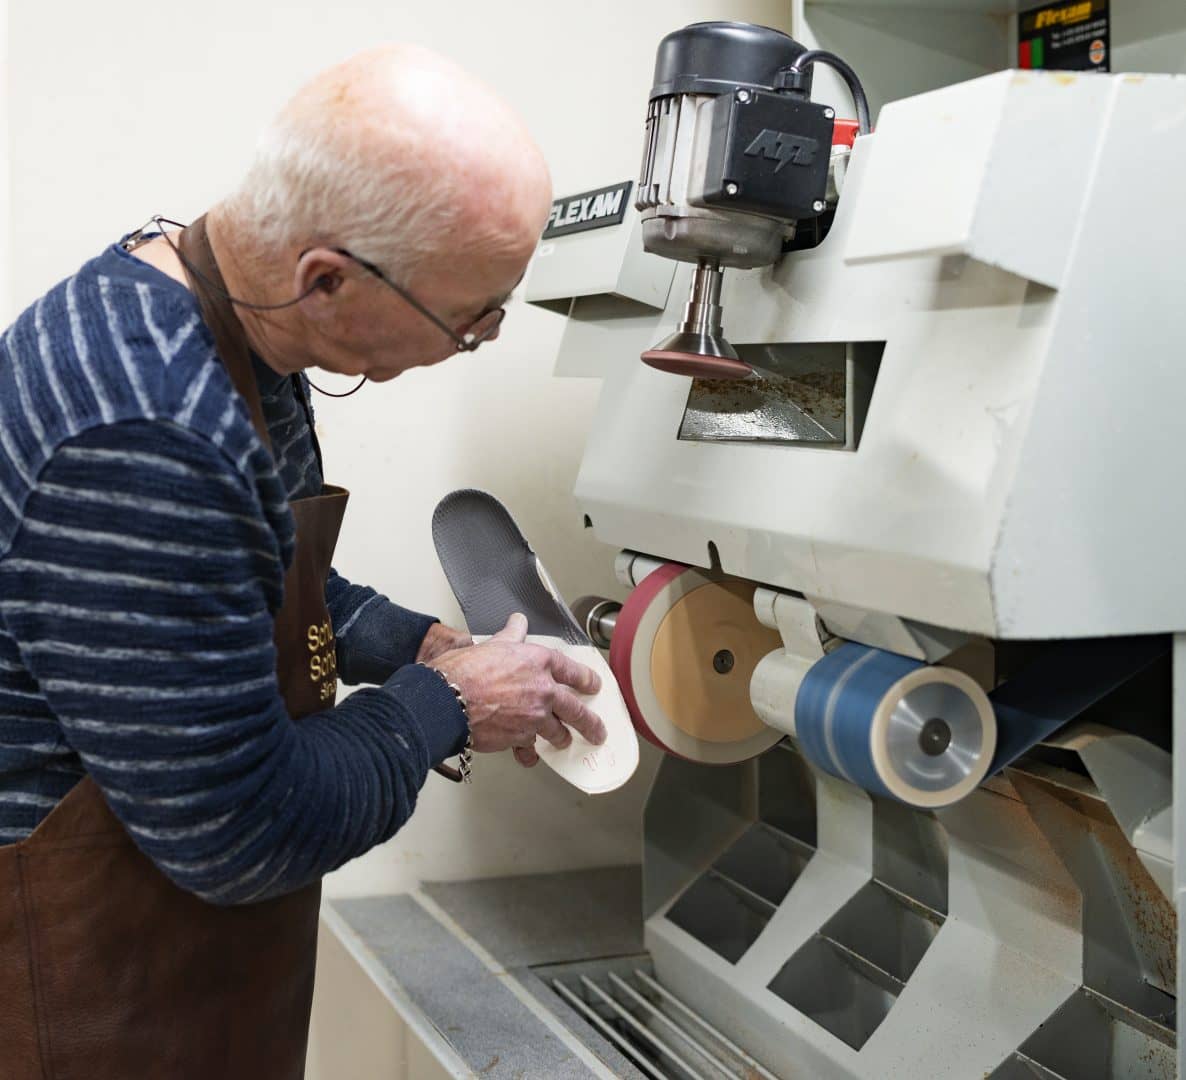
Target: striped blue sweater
(144, 534)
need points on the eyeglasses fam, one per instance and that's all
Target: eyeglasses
(483, 328)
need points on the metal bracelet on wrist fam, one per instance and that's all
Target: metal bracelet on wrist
(461, 774)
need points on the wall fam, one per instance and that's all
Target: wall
(5, 163)
(905, 47)
(133, 107)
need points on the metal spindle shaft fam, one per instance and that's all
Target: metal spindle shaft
(702, 315)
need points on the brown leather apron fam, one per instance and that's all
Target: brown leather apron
(109, 971)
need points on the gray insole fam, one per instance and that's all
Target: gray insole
(493, 571)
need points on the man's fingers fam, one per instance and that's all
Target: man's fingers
(577, 715)
(525, 756)
(514, 631)
(566, 670)
(555, 732)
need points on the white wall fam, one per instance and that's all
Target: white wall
(5, 163)
(133, 107)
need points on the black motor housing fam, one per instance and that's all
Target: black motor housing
(719, 57)
(769, 145)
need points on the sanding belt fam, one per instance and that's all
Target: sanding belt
(841, 722)
(1061, 685)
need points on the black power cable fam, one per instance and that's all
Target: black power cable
(795, 78)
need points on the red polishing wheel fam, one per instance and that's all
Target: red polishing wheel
(684, 649)
(622, 643)
(697, 365)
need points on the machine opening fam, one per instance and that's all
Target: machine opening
(804, 394)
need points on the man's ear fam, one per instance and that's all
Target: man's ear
(319, 273)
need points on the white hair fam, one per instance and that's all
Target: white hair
(312, 184)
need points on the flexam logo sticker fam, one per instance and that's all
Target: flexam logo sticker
(589, 210)
(783, 147)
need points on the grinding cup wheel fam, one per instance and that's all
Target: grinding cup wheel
(684, 650)
(697, 365)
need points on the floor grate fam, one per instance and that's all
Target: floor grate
(664, 1037)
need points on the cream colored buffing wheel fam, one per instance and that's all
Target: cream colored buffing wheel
(684, 649)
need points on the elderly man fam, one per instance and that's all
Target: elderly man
(175, 778)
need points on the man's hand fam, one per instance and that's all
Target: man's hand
(515, 691)
(441, 639)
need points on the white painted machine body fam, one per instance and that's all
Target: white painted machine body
(1014, 243)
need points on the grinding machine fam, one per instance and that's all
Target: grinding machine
(889, 442)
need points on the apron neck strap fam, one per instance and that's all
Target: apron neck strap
(230, 340)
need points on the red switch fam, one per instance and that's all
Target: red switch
(844, 132)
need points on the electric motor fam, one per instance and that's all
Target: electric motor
(736, 154)
(732, 158)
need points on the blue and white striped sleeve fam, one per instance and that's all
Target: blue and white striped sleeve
(140, 592)
(375, 637)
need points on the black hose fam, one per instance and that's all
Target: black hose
(822, 56)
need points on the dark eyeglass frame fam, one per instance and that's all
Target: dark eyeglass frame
(465, 342)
